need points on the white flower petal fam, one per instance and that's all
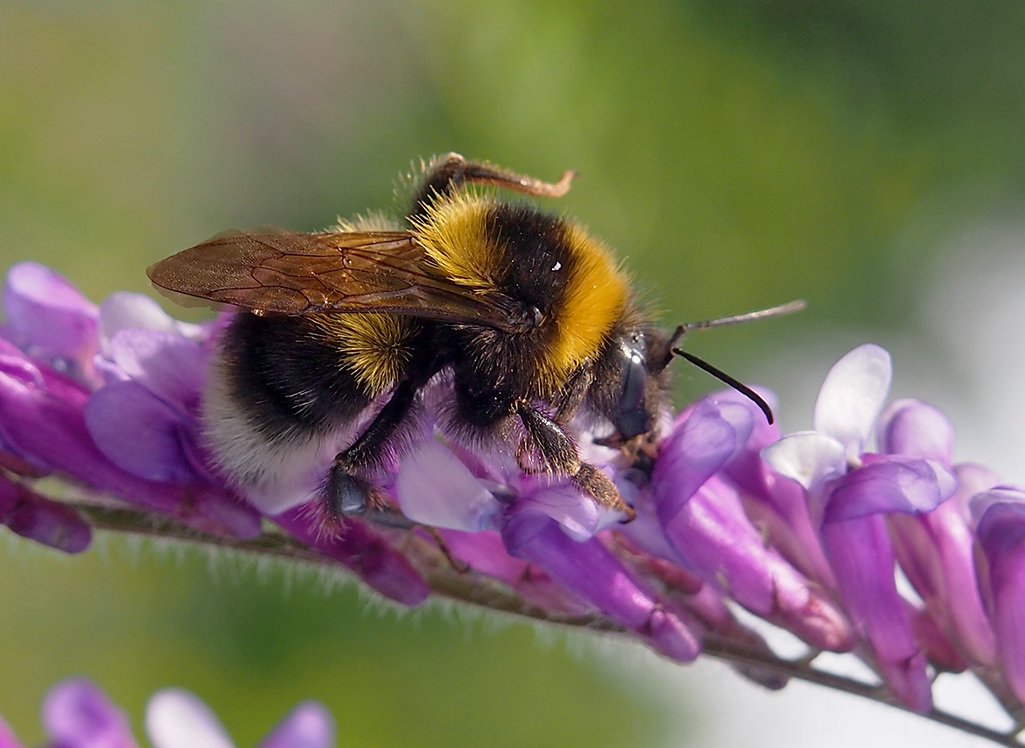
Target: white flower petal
(177, 719)
(131, 311)
(852, 396)
(434, 488)
(807, 457)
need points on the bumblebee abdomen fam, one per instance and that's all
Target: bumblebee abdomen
(283, 388)
(283, 376)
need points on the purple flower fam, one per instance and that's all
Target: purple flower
(701, 519)
(852, 490)
(547, 522)
(807, 532)
(589, 570)
(37, 518)
(145, 417)
(936, 549)
(177, 719)
(77, 714)
(447, 486)
(44, 423)
(124, 421)
(1001, 535)
(48, 318)
(7, 737)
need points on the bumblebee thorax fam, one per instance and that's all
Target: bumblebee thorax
(538, 259)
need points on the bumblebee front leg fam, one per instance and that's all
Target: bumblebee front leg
(346, 492)
(453, 172)
(559, 456)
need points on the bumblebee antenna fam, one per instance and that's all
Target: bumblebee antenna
(736, 384)
(743, 389)
(774, 311)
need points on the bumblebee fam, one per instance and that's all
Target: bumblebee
(524, 316)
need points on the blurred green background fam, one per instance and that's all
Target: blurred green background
(738, 154)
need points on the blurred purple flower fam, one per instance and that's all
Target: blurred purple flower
(7, 737)
(77, 714)
(177, 719)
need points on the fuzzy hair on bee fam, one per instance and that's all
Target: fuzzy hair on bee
(525, 320)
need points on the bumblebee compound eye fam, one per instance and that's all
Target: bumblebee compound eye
(632, 417)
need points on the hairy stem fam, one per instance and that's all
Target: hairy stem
(448, 582)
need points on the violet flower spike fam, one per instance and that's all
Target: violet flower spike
(806, 532)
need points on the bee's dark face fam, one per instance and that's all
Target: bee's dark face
(643, 357)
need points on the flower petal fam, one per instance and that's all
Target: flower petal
(47, 316)
(915, 429)
(892, 484)
(578, 514)
(589, 570)
(170, 366)
(43, 420)
(747, 469)
(694, 451)
(852, 396)
(863, 562)
(368, 555)
(138, 432)
(936, 552)
(434, 488)
(309, 725)
(1001, 534)
(485, 553)
(77, 714)
(177, 719)
(132, 311)
(808, 457)
(7, 737)
(714, 538)
(36, 518)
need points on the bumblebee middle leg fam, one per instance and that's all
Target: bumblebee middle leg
(346, 492)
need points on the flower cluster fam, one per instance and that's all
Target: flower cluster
(77, 714)
(809, 532)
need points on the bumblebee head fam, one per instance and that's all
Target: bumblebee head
(642, 356)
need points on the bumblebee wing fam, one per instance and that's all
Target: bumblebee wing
(344, 272)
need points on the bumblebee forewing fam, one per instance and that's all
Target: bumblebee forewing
(344, 272)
